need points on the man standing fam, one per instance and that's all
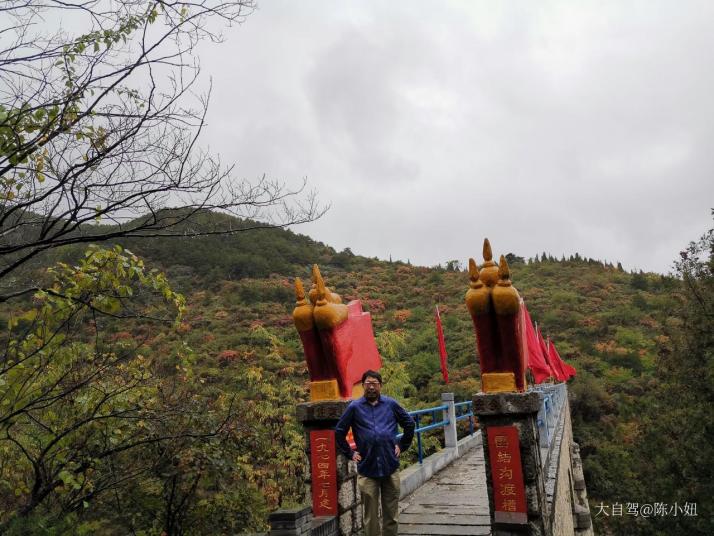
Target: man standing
(373, 419)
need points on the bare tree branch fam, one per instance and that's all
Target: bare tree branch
(99, 130)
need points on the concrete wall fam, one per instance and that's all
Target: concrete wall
(348, 498)
(561, 502)
(565, 486)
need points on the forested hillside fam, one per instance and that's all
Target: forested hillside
(230, 370)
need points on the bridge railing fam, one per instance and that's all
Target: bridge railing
(459, 410)
(553, 398)
(465, 410)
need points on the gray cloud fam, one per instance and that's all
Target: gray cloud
(554, 126)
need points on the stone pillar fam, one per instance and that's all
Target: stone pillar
(450, 436)
(519, 410)
(323, 415)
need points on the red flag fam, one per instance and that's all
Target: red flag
(536, 361)
(569, 370)
(566, 370)
(442, 347)
(556, 362)
(555, 372)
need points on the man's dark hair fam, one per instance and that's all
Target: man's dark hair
(372, 374)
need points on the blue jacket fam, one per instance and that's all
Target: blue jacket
(375, 432)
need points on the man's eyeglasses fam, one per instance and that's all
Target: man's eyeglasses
(372, 384)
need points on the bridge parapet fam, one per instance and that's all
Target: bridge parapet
(554, 399)
(416, 475)
(564, 481)
(530, 433)
(532, 464)
(552, 478)
(346, 519)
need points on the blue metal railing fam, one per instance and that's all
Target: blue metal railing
(552, 402)
(553, 399)
(464, 410)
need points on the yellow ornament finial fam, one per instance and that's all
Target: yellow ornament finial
(313, 289)
(489, 270)
(506, 300)
(478, 298)
(299, 291)
(329, 310)
(487, 253)
(302, 314)
(328, 295)
(320, 284)
(473, 274)
(504, 273)
(473, 270)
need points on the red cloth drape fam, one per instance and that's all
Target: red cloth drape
(536, 361)
(557, 374)
(566, 370)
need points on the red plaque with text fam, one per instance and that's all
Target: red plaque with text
(509, 493)
(323, 461)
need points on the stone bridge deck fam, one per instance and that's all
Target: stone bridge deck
(454, 501)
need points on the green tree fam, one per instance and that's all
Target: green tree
(639, 281)
(454, 266)
(72, 398)
(98, 141)
(679, 445)
(512, 258)
(397, 383)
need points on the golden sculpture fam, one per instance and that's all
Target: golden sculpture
(337, 339)
(494, 305)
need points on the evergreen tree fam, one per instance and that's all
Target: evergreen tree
(677, 451)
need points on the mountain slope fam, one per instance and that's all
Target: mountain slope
(237, 332)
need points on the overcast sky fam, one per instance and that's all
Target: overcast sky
(545, 126)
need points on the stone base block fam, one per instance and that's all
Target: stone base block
(324, 526)
(324, 410)
(506, 403)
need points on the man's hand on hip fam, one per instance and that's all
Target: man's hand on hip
(397, 451)
(356, 456)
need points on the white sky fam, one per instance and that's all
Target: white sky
(545, 126)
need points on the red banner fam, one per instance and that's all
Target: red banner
(509, 492)
(323, 461)
(546, 353)
(536, 362)
(442, 347)
(566, 370)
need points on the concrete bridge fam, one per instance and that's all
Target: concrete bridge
(453, 501)
(458, 490)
